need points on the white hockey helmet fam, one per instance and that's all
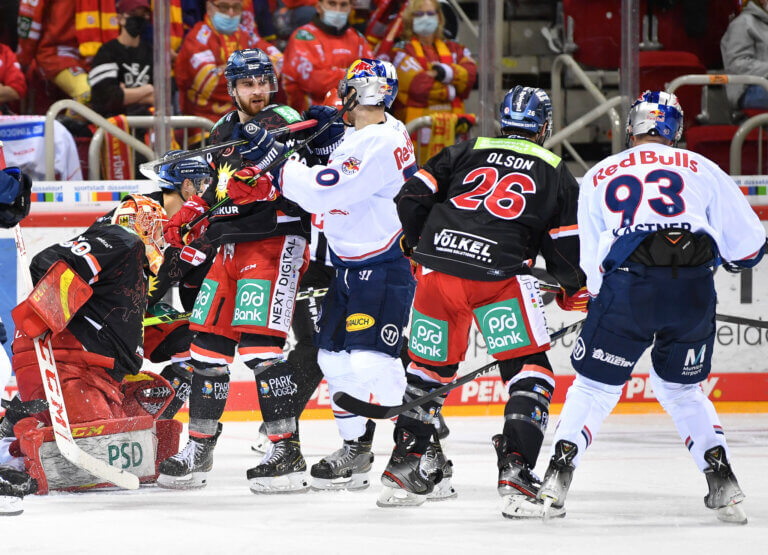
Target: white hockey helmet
(375, 82)
(656, 113)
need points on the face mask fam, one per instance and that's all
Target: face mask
(425, 25)
(225, 24)
(335, 19)
(135, 25)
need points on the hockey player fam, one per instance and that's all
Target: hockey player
(366, 308)
(653, 221)
(474, 219)
(102, 343)
(247, 298)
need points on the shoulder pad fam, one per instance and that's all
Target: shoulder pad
(303, 34)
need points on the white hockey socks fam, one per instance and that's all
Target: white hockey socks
(694, 416)
(587, 404)
(340, 376)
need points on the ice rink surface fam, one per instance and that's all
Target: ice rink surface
(636, 491)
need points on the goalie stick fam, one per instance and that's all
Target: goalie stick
(56, 406)
(369, 410)
(150, 169)
(348, 105)
(170, 318)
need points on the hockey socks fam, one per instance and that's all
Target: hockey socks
(179, 375)
(210, 388)
(587, 404)
(278, 394)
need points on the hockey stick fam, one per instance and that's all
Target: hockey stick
(369, 410)
(56, 407)
(726, 318)
(170, 318)
(150, 169)
(348, 105)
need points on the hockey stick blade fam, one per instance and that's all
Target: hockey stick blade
(381, 412)
(150, 169)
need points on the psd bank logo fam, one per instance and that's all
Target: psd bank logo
(429, 337)
(251, 302)
(503, 326)
(204, 301)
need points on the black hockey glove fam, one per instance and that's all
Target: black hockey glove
(327, 141)
(262, 149)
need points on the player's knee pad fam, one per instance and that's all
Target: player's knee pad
(675, 398)
(602, 396)
(208, 349)
(340, 375)
(383, 373)
(210, 389)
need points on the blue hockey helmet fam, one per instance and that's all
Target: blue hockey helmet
(171, 176)
(656, 113)
(249, 63)
(375, 82)
(527, 109)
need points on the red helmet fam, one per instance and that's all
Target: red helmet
(332, 99)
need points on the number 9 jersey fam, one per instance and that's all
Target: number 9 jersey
(652, 187)
(484, 209)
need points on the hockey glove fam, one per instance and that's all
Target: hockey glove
(190, 210)
(578, 301)
(262, 149)
(327, 141)
(248, 185)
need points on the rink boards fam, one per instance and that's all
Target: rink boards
(738, 383)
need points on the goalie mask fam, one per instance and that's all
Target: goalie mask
(656, 113)
(374, 81)
(146, 218)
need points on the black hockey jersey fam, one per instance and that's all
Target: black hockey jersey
(111, 259)
(114, 65)
(258, 220)
(485, 208)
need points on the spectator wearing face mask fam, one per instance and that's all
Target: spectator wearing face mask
(121, 78)
(319, 53)
(200, 65)
(436, 75)
(745, 51)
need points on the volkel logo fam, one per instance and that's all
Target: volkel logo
(465, 245)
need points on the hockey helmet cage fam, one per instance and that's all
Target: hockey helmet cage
(375, 82)
(146, 218)
(250, 62)
(171, 176)
(656, 113)
(527, 109)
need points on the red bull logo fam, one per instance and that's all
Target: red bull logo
(656, 115)
(360, 68)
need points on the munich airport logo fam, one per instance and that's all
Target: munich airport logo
(694, 361)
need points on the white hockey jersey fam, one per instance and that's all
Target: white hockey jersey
(651, 187)
(355, 191)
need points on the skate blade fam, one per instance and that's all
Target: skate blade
(195, 480)
(290, 483)
(11, 505)
(356, 482)
(519, 507)
(443, 491)
(398, 497)
(733, 514)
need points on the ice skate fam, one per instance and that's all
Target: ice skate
(14, 485)
(405, 483)
(348, 467)
(725, 495)
(189, 468)
(433, 460)
(557, 479)
(262, 443)
(515, 476)
(282, 470)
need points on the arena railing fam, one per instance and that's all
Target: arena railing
(720, 79)
(558, 105)
(104, 125)
(144, 122)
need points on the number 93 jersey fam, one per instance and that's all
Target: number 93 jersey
(484, 209)
(651, 187)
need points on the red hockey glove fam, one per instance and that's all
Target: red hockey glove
(248, 185)
(190, 210)
(578, 301)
